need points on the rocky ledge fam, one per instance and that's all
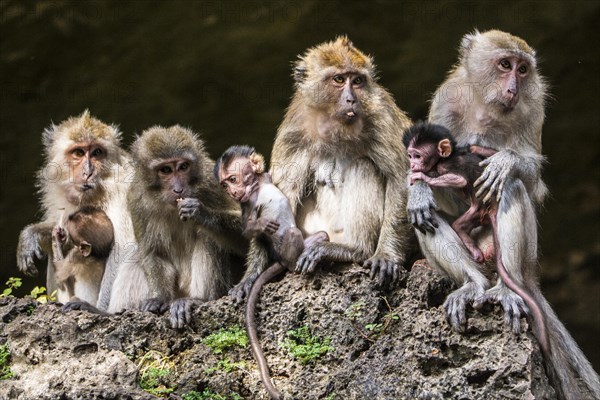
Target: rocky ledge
(374, 344)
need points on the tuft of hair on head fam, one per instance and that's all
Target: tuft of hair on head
(232, 153)
(424, 132)
(495, 39)
(160, 143)
(339, 53)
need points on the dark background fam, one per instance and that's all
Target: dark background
(223, 68)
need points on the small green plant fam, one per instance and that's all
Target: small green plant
(39, 293)
(11, 284)
(5, 371)
(226, 365)
(305, 347)
(206, 394)
(370, 331)
(331, 396)
(225, 338)
(156, 373)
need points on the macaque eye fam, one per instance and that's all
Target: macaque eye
(78, 152)
(166, 169)
(184, 166)
(358, 80)
(504, 63)
(232, 179)
(522, 69)
(97, 152)
(338, 79)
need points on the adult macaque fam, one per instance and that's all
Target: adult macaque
(80, 247)
(436, 160)
(85, 167)
(186, 226)
(268, 222)
(339, 159)
(494, 97)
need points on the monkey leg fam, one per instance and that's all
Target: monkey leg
(315, 238)
(463, 227)
(291, 246)
(444, 251)
(517, 244)
(323, 252)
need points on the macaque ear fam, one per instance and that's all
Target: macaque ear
(258, 163)
(85, 248)
(444, 148)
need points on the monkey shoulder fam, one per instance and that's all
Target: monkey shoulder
(274, 205)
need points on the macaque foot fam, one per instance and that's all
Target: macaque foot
(155, 305)
(81, 306)
(28, 250)
(181, 312)
(513, 305)
(241, 291)
(385, 270)
(477, 255)
(310, 258)
(456, 304)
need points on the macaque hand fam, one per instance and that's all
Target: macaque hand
(418, 176)
(189, 208)
(241, 291)
(420, 206)
(181, 312)
(27, 250)
(310, 258)
(155, 305)
(386, 270)
(497, 169)
(269, 226)
(59, 235)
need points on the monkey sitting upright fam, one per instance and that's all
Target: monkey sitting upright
(268, 221)
(81, 247)
(436, 160)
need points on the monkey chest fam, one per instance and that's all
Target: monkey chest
(347, 201)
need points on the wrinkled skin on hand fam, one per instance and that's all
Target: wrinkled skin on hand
(420, 207)
(386, 270)
(498, 168)
(189, 208)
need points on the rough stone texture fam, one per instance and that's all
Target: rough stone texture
(84, 356)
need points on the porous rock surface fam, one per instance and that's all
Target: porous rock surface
(78, 355)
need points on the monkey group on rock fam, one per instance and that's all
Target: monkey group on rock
(164, 227)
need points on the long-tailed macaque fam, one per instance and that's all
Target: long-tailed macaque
(85, 167)
(338, 157)
(436, 160)
(80, 247)
(268, 222)
(494, 97)
(186, 226)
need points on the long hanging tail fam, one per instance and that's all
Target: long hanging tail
(566, 362)
(259, 356)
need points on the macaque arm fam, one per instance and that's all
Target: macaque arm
(162, 277)
(251, 225)
(482, 151)
(35, 241)
(448, 180)
(421, 205)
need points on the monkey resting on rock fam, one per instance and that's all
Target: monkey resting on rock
(494, 97)
(268, 222)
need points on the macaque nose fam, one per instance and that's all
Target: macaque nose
(178, 190)
(350, 99)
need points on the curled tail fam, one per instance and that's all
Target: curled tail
(566, 364)
(257, 351)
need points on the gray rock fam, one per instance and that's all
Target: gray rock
(415, 355)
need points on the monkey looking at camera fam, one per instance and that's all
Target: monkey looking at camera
(85, 167)
(494, 97)
(187, 228)
(268, 222)
(339, 159)
(436, 160)
(80, 247)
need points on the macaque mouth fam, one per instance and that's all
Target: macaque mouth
(87, 186)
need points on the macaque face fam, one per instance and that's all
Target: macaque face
(512, 74)
(176, 178)
(85, 160)
(347, 88)
(237, 178)
(423, 157)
